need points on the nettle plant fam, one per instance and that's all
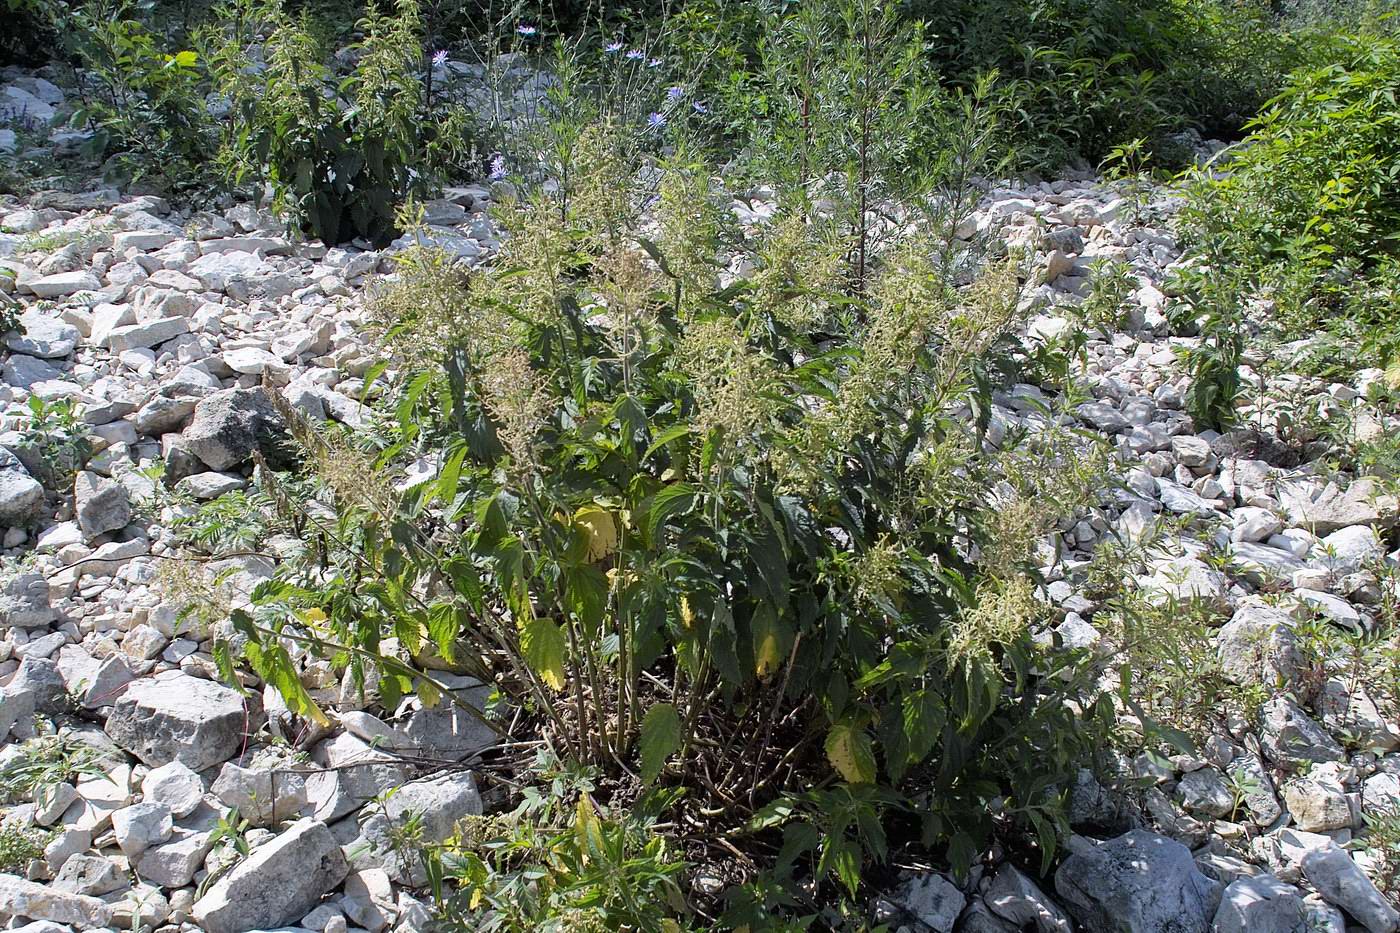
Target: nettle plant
(740, 534)
(339, 153)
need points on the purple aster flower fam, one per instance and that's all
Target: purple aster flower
(656, 121)
(635, 55)
(439, 58)
(698, 107)
(654, 63)
(675, 93)
(526, 30)
(498, 167)
(612, 48)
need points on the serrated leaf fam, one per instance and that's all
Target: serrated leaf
(772, 639)
(674, 500)
(588, 829)
(850, 753)
(660, 739)
(601, 530)
(543, 644)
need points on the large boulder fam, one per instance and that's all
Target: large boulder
(1139, 882)
(1340, 881)
(101, 504)
(1261, 905)
(42, 336)
(1364, 502)
(1257, 646)
(277, 884)
(1015, 898)
(24, 602)
(434, 805)
(229, 425)
(1290, 737)
(927, 901)
(20, 494)
(175, 717)
(29, 899)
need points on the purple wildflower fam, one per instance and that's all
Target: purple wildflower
(439, 58)
(654, 63)
(498, 167)
(613, 48)
(525, 30)
(656, 121)
(635, 55)
(699, 107)
(675, 93)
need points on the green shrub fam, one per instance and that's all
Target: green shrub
(142, 100)
(18, 847)
(742, 539)
(29, 37)
(581, 871)
(1305, 211)
(1318, 179)
(340, 155)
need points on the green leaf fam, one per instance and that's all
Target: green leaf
(543, 644)
(666, 504)
(850, 753)
(675, 432)
(443, 625)
(660, 739)
(450, 475)
(185, 59)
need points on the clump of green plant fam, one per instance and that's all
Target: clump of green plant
(46, 760)
(855, 125)
(142, 101)
(1305, 210)
(339, 153)
(1086, 77)
(1161, 648)
(18, 847)
(1210, 305)
(719, 536)
(58, 438)
(587, 871)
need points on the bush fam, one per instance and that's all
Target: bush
(339, 155)
(142, 104)
(746, 539)
(1306, 209)
(1318, 180)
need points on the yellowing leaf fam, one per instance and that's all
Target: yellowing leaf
(313, 616)
(543, 644)
(601, 529)
(428, 692)
(588, 828)
(850, 753)
(770, 641)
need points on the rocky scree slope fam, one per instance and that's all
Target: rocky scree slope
(164, 328)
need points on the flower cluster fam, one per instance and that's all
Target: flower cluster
(519, 403)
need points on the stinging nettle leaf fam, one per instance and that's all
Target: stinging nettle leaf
(660, 739)
(543, 644)
(850, 753)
